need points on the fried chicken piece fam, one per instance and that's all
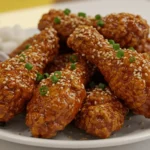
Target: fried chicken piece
(124, 28)
(64, 24)
(101, 114)
(57, 99)
(144, 46)
(18, 74)
(24, 46)
(126, 71)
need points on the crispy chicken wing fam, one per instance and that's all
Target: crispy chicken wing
(126, 71)
(101, 114)
(126, 29)
(58, 99)
(18, 74)
(64, 24)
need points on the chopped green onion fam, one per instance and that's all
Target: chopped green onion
(57, 74)
(54, 79)
(39, 77)
(82, 14)
(27, 46)
(67, 11)
(131, 48)
(73, 66)
(22, 58)
(73, 58)
(112, 42)
(43, 90)
(57, 20)
(102, 86)
(116, 46)
(92, 84)
(98, 17)
(100, 23)
(120, 53)
(28, 66)
(132, 59)
(46, 75)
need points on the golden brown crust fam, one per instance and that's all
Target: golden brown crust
(18, 74)
(126, 29)
(46, 115)
(129, 80)
(101, 114)
(66, 26)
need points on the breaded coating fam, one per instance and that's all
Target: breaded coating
(101, 114)
(126, 29)
(55, 104)
(24, 46)
(18, 74)
(66, 24)
(144, 46)
(126, 71)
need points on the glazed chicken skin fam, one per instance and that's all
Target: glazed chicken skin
(101, 114)
(126, 29)
(18, 74)
(126, 71)
(57, 99)
(64, 24)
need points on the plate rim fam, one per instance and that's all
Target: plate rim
(52, 143)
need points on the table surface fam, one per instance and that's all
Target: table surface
(26, 20)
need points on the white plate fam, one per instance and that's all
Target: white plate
(137, 128)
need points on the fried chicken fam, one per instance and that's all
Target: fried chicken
(18, 74)
(63, 24)
(58, 99)
(124, 28)
(101, 114)
(126, 71)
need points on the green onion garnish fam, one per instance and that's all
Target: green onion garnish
(98, 17)
(73, 58)
(132, 59)
(120, 53)
(27, 46)
(43, 90)
(54, 79)
(100, 23)
(67, 11)
(73, 66)
(112, 42)
(102, 86)
(116, 46)
(57, 20)
(28, 66)
(39, 77)
(82, 14)
(46, 75)
(131, 48)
